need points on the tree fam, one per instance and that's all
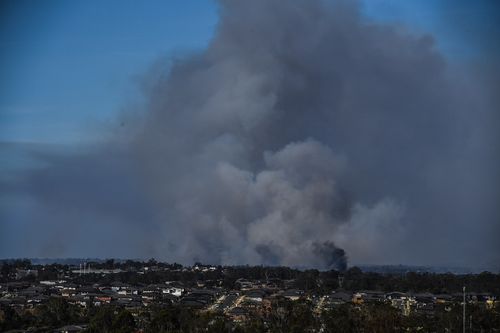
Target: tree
(102, 320)
(57, 312)
(343, 318)
(9, 319)
(381, 318)
(123, 322)
(288, 316)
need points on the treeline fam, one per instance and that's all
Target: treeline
(57, 312)
(449, 283)
(379, 318)
(309, 280)
(284, 316)
(354, 279)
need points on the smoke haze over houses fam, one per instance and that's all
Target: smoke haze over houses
(304, 134)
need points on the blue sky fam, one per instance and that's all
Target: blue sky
(69, 67)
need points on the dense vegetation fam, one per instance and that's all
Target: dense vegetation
(308, 280)
(286, 316)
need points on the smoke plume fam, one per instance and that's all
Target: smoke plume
(302, 130)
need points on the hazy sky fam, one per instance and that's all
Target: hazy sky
(71, 71)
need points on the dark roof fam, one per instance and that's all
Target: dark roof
(341, 296)
(70, 328)
(238, 311)
(395, 294)
(372, 292)
(203, 292)
(192, 302)
(293, 292)
(69, 285)
(255, 293)
(87, 289)
(443, 296)
(170, 297)
(228, 301)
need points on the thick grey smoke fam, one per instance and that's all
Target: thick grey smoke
(276, 215)
(302, 130)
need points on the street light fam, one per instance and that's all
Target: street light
(464, 312)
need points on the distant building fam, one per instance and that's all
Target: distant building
(293, 294)
(22, 273)
(340, 297)
(174, 288)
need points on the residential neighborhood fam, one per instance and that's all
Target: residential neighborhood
(232, 295)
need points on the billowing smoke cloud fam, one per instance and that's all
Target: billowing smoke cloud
(302, 130)
(287, 212)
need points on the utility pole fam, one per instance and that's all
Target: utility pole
(464, 312)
